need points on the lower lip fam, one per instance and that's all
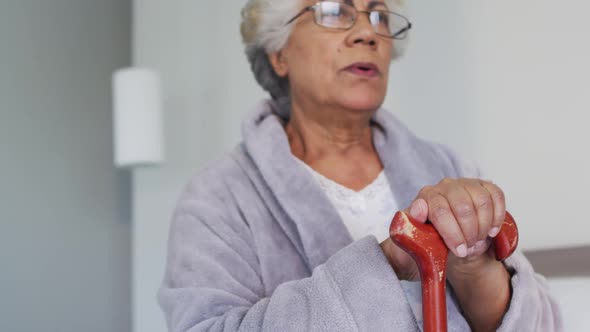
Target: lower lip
(364, 73)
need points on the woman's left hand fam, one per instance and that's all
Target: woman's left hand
(467, 213)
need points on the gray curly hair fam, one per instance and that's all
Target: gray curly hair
(264, 31)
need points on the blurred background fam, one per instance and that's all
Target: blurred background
(83, 242)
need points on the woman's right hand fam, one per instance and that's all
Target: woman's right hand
(402, 263)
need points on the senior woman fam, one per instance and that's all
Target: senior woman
(289, 232)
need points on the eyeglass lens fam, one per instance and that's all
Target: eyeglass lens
(341, 16)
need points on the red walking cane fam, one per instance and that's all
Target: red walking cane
(428, 249)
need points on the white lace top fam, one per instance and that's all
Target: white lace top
(365, 212)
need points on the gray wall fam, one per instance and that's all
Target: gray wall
(64, 229)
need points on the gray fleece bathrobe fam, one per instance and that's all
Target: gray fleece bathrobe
(255, 245)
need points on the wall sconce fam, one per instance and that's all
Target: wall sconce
(137, 118)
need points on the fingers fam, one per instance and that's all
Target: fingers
(464, 211)
(483, 205)
(499, 204)
(419, 210)
(441, 216)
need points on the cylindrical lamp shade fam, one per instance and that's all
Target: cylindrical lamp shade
(137, 117)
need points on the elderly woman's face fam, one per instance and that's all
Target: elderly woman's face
(343, 68)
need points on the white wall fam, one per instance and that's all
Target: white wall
(64, 209)
(478, 76)
(534, 96)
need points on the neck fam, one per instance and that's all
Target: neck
(319, 131)
(336, 143)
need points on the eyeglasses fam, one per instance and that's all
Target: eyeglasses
(336, 15)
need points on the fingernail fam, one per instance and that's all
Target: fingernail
(494, 231)
(462, 251)
(470, 251)
(414, 210)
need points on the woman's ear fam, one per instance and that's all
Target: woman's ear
(278, 63)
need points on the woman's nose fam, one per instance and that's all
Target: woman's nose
(362, 31)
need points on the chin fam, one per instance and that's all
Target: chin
(363, 102)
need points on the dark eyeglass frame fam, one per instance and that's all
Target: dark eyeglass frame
(398, 35)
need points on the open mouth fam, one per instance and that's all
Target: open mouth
(363, 69)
